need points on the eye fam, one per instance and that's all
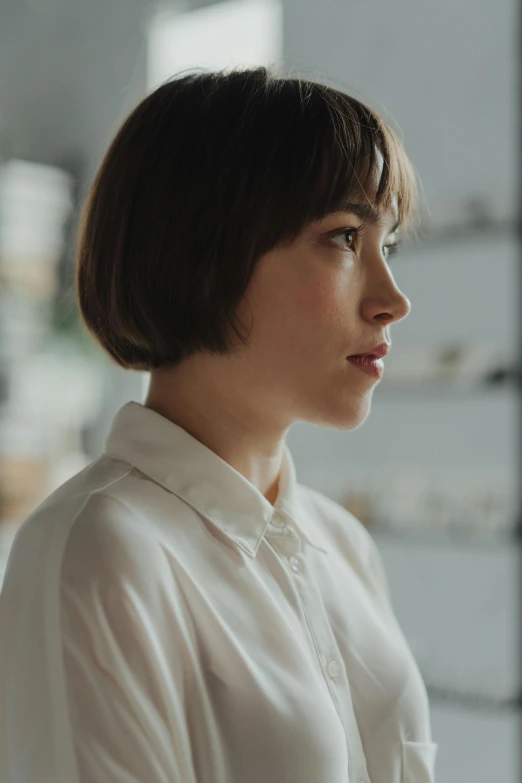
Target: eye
(343, 232)
(390, 249)
(393, 248)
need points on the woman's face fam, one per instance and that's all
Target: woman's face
(313, 304)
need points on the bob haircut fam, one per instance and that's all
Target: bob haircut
(206, 174)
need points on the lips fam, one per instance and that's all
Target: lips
(377, 352)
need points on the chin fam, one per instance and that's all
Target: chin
(348, 423)
(351, 418)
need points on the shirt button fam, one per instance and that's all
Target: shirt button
(294, 564)
(333, 670)
(277, 521)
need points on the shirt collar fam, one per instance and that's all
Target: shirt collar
(172, 457)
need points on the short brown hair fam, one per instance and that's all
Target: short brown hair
(206, 174)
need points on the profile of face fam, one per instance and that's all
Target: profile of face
(329, 295)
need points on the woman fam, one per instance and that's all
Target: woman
(183, 609)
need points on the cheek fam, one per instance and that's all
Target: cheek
(294, 323)
(319, 303)
(297, 306)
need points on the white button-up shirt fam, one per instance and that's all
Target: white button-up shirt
(162, 622)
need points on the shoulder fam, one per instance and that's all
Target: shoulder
(109, 544)
(77, 525)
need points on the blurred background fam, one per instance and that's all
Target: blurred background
(433, 472)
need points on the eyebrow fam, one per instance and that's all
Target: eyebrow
(368, 213)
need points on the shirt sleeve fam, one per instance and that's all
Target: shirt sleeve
(125, 692)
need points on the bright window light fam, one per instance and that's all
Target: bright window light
(236, 33)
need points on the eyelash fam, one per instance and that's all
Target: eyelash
(393, 248)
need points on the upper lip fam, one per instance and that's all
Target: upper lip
(377, 351)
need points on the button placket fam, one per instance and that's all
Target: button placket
(333, 669)
(277, 521)
(287, 542)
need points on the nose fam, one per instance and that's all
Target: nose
(401, 307)
(389, 309)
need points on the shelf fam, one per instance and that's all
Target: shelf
(467, 538)
(473, 702)
(445, 389)
(463, 232)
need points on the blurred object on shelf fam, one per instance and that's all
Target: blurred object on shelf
(24, 325)
(52, 396)
(458, 501)
(67, 460)
(4, 383)
(501, 375)
(459, 364)
(23, 484)
(57, 386)
(24, 467)
(8, 530)
(35, 202)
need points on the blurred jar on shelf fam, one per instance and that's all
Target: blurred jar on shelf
(463, 501)
(24, 468)
(35, 203)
